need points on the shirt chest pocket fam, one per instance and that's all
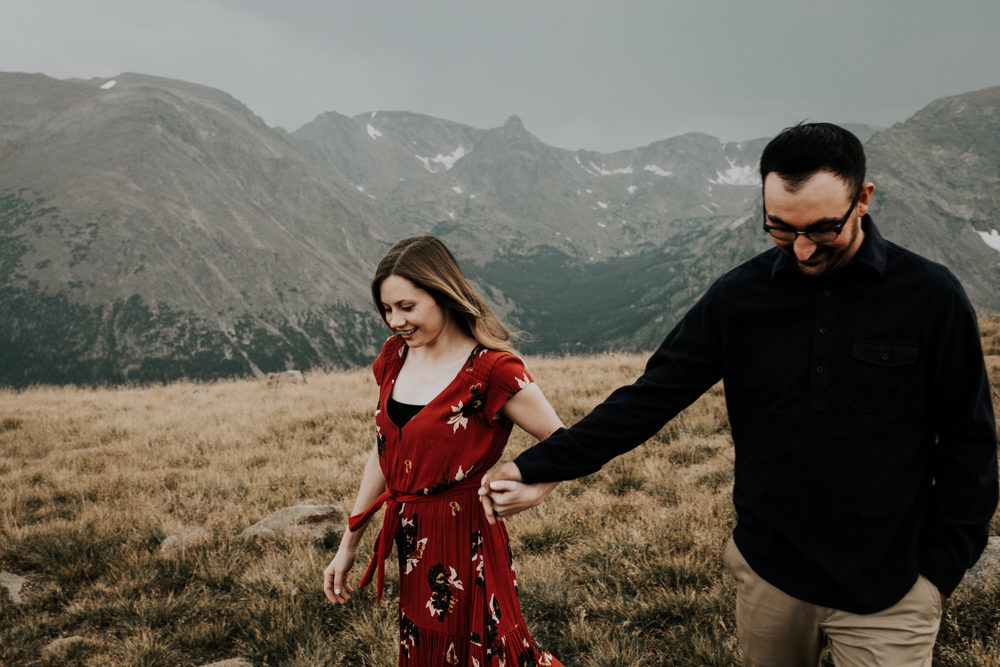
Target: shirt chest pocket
(885, 377)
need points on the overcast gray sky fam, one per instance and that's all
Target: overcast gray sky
(596, 75)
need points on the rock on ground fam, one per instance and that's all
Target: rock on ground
(299, 522)
(986, 570)
(13, 584)
(61, 643)
(176, 544)
(232, 662)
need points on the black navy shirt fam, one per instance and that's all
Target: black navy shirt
(860, 412)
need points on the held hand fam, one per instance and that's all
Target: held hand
(508, 495)
(484, 498)
(335, 583)
(508, 471)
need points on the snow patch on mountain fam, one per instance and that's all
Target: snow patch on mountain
(447, 160)
(109, 85)
(601, 171)
(737, 175)
(632, 189)
(611, 172)
(992, 239)
(372, 132)
(457, 189)
(602, 204)
(656, 170)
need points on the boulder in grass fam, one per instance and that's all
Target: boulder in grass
(13, 584)
(62, 643)
(175, 545)
(232, 662)
(299, 522)
(985, 571)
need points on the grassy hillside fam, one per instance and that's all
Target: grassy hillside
(623, 567)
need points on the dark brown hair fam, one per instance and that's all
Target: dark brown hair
(427, 263)
(801, 151)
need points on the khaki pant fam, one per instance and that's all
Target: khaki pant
(777, 630)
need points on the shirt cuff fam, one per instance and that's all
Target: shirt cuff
(943, 574)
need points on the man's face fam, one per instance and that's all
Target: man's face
(820, 202)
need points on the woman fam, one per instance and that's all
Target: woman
(450, 390)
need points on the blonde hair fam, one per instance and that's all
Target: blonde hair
(427, 263)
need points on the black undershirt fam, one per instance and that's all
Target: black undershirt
(401, 413)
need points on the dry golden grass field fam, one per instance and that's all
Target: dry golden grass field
(623, 567)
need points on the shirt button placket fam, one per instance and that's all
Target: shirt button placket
(819, 380)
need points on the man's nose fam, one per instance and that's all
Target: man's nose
(804, 248)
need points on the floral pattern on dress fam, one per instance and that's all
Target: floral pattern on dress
(492, 622)
(519, 383)
(443, 583)
(379, 441)
(526, 658)
(544, 657)
(408, 547)
(447, 481)
(409, 634)
(477, 351)
(477, 557)
(461, 413)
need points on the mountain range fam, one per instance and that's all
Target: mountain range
(152, 229)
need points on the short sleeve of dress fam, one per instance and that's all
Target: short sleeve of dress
(507, 377)
(378, 366)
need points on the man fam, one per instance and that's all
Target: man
(866, 470)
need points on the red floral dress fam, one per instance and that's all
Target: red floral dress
(458, 599)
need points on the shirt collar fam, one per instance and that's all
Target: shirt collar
(872, 252)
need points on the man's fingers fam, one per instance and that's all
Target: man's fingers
(507, 471)
(504, 486)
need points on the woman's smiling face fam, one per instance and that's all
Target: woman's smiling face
(411, 312)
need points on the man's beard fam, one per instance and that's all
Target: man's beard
(833, 260)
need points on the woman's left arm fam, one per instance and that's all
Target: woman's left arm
(530, 410)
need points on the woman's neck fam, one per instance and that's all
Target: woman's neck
(451, 344)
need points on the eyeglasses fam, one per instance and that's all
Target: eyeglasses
(824, 235)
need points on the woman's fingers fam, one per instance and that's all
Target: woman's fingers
(484, 498)
(341, 587)
(335, 585)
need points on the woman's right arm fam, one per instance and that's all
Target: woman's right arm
(335, 583)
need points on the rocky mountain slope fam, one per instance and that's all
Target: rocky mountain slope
(937, 192)
(152, 229)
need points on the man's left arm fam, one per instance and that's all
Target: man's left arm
(963, 461)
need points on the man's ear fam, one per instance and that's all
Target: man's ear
(866, 198)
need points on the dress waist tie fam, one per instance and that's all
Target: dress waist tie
(383, 544)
